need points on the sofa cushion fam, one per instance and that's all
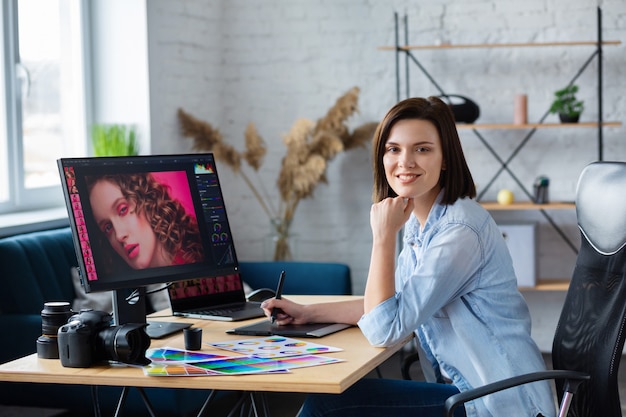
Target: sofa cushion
(310, 278)
(34, 269)
(21, 332)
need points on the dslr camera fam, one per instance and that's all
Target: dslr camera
(89, 337)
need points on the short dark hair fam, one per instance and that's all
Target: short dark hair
(456, 180)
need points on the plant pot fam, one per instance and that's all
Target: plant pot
(566, 118)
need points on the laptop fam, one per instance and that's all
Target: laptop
(213, 298)
(266, 328)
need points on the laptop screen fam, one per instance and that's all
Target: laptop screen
(206, 292)
(143, 220)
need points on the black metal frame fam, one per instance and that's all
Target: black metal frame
(250, 403)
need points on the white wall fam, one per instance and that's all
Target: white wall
(273, 61)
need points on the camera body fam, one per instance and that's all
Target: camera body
(89, 337)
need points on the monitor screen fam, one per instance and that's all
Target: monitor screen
(144, 220)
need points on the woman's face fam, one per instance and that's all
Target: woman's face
(413, 159)
(128, 232)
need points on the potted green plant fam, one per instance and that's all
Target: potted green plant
(566, 105)
(114, 140)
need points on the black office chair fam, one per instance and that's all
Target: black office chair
(590, 335)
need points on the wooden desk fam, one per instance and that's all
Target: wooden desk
(360, 358)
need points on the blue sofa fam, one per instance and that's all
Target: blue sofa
(35, 268)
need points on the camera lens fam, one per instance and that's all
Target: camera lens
(126, 343)
(54, 315)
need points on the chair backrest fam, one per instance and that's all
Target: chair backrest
(306, 278)
(591, 330)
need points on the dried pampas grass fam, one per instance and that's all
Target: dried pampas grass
(310, 147)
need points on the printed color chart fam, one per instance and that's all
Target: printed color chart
(172, 356)
(239, 365)
(273, 347)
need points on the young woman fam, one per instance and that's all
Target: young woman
(453, 284)
(141, 223)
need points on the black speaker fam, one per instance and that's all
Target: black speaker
(464, 109)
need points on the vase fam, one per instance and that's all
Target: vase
(520, 109)
(280, 243)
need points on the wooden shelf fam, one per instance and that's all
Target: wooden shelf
(497, 45)
(535, 125)
(549, 285)
(527, 205)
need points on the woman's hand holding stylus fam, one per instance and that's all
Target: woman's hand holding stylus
(287, 312)
(282, 312)
(332, 312)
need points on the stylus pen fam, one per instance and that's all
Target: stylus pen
(279, 293)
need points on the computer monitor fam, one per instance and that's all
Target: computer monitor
(140, 220)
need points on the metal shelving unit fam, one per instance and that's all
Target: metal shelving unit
(407, 51)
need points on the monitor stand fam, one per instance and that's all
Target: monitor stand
(129, 310)
(133, 310)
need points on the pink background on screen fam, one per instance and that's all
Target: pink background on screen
(179, 188)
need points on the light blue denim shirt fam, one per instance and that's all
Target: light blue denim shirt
(456, 289)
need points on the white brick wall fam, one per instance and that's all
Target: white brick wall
(273, 61)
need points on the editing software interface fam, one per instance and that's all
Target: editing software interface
(147, 219)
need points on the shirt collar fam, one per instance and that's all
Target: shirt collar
(412, 228)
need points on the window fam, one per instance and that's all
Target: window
(43, 114)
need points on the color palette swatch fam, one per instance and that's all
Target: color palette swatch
(173, 356)
(273, 347)
(239, 365)
(176, 370)
(274, 354)
(249, 364)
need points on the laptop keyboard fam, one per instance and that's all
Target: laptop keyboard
(222, 311)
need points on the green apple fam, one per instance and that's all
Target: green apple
(505, 197)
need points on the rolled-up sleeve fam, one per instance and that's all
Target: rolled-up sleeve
(427, 279)
(374, 324)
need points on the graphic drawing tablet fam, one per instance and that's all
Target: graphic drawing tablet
(265, 328)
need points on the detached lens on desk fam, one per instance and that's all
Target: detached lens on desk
(54, 315)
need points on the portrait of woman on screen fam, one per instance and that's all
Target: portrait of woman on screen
(139, 224)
